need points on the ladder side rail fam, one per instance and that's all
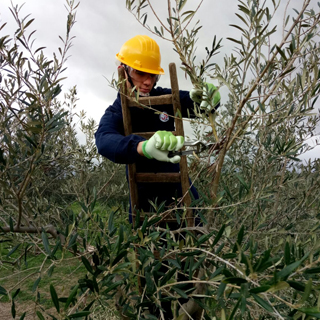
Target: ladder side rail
(185, 184)
(128, 130)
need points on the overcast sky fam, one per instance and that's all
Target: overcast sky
(104, 25)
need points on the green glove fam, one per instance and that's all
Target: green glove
(159, 145)
(209, 97)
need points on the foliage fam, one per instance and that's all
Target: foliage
(50, 184)
(256, 183)
(256, 253)
(237, 275)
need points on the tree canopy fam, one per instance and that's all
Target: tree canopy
(256, 254)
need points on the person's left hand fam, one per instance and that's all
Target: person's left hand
(209, 97)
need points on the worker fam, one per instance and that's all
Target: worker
(140, 58)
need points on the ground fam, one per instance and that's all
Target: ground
(5, 311)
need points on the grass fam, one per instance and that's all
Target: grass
(18, 271)
(25, 273)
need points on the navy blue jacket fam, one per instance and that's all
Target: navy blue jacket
(114, 145)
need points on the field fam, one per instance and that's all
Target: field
(16, 272)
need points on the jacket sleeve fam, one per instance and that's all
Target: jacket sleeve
(187, 105)
(110, 139)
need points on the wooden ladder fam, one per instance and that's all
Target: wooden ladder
(136, 177)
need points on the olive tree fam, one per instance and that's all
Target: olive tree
(50, 184)
(257, 255)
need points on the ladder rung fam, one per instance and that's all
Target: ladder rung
(151, 101)
(148, 135)
(158, 177)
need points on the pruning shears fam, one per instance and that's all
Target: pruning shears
(197, 147)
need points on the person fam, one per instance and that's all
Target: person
(140, 57)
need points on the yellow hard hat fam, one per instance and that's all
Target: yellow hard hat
(141, 53)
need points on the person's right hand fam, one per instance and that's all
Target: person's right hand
(159, 145)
